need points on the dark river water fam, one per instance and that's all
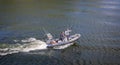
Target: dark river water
(98, 22)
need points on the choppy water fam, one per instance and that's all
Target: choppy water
(98, 21)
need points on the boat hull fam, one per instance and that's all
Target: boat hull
(72, 38)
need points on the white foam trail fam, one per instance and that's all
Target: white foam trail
(28, 45)
(7, 51)
(35, 45)
(32, 44)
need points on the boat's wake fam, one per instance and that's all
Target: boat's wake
(27, 45)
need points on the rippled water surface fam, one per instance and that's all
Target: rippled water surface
(98, 21)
